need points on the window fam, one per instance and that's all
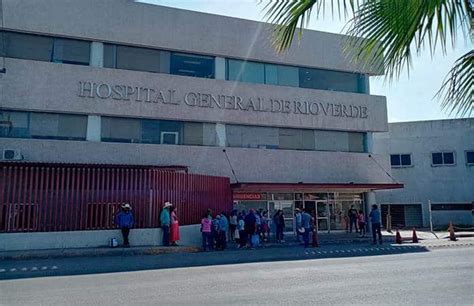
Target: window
(58, 126)
(252, 137)
(470, 157)
(442, 158)
(296, 139)
(70, 51)
(156, 131)
(281, 75)
(244, 71)
(330, 80)
(14, 124)
(44, 48)
(42, 125)
(192, 65)
(339, 141)
(400, 160)
(131, 58)
(26, 46)
(120, 129)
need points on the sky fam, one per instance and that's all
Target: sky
(409, 98)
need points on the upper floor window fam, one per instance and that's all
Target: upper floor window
(192, 65)
(400, 160)
(470, 157)
(131, 58)
(330, 80)
(245, 71)
(442, 158)
(45, 48)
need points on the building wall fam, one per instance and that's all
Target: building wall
(424, 182)
(157, 26)
(52, 87)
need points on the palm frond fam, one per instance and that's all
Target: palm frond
(392, 31)
(288, 16)
(456, 93)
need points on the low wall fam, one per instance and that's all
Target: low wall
(190, 236)
(442, 218)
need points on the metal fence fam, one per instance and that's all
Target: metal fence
(36, 198)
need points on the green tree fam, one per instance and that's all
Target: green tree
(386, 34)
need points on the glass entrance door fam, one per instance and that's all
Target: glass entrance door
(323, 215)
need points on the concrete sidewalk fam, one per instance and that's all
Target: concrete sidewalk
(325, 239)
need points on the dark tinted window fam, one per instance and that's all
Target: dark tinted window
(448, 158)
(244, 71)
(192, 65)
(437, 158)
(58, 126)
(131, 58)
(120, 129)
(71, 51)
(448, 206)
(329, 80)
(395, 160)
(25, 46)
(470, 157)
(406, 159)
(14, 124)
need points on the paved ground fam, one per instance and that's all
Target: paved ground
(406, 274)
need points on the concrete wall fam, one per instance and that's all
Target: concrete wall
(162, 27)
(190, 236)
(32, 85)
(423, 182)
(250, 165)
(443, 218)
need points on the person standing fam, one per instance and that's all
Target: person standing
(241, 229)
(279, 220)
(206, 230)
(250, 222)
(233, 224)
(298, 224)
(361, 222)
(375, 220)
(223, 229)
(306, 225)
(165, 221)
(174, 229)
(124, 220)
(352, 214)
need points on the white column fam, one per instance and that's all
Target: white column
(220, 68)
(220, 131)
(369, 142)
(93, 128)
(97, 54)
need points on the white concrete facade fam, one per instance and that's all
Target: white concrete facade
(77, 89)
(424, 182)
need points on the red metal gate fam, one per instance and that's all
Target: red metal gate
(68, 197)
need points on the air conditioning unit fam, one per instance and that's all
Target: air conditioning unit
(10, 154)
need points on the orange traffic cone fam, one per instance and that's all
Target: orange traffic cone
(398, 238)
(452, 235)
(415, 238)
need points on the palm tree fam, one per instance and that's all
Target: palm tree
(386, 33)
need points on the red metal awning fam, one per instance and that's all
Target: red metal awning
(307, 187)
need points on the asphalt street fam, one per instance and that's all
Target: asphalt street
(442, 276)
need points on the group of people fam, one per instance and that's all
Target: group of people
(249, 229)
(168, 220)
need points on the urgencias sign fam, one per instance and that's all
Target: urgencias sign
(221, 101)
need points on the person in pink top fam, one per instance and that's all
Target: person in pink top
(206, 230)
(361, 221)
(174, 229)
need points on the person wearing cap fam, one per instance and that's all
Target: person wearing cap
(165, 221)
(124, 220)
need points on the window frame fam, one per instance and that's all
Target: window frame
(442, 156)
(465, 156)
(401, 164)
